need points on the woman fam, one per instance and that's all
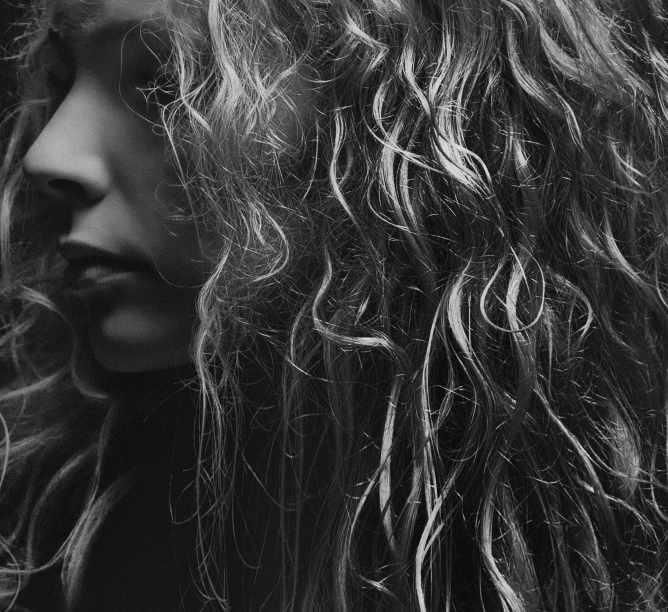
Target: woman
(393, 273)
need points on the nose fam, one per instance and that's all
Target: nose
(67, 161)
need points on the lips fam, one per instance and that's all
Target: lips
(87, 272)
(87, 265)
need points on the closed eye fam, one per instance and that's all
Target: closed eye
(146, 68)
(59, 63)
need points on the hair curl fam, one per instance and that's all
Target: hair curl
(475, 356)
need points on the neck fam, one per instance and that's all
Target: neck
(157, 425)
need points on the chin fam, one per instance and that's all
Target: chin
(133, 342)
(122, 363)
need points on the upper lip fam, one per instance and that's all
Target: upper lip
(75, 252)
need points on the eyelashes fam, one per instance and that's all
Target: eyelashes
(58, 83)
(59, 66)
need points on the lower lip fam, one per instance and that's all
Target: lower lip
(93, 277)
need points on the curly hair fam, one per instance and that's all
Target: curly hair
(467, 244)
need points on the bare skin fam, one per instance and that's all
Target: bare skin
(138, 268)
(103, 163)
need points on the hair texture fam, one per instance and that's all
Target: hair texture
(468, 240)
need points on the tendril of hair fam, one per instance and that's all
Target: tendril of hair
(473, 398)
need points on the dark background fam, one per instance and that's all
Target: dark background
(9, 14)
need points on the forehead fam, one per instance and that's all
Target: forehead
(86, 18)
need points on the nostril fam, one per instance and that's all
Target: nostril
(68, 188)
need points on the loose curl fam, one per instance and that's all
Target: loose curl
(467, 239)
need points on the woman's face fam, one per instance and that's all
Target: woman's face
(102, 160)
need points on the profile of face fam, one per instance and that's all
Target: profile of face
(134, 253)
(136, 265)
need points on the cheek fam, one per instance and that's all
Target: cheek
(167, 225)
(180, 260)
(183, 245)
(177, 250)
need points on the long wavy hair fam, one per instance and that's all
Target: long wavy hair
(468, 241)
